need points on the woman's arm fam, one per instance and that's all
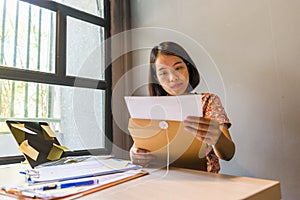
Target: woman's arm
(211, 132)
(224, 147)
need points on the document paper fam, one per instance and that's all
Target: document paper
(164, 107)
(87, 168)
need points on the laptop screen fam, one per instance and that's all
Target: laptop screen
(36, 141)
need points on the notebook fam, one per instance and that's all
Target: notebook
(36, 141)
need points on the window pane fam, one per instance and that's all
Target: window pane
(27, 36)
(94, 7)
(85, 49)
(75, 114)
(82, 118)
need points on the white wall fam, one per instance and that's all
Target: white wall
(248, 53)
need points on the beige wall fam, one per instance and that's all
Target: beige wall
(248, 53)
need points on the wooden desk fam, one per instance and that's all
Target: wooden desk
(176, 184)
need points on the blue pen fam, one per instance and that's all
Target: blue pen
(21, 172)
(30, 172)
(78, 183)
(68, 185)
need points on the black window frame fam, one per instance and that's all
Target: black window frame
(60, 77)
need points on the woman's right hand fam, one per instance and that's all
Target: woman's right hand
(140, 156)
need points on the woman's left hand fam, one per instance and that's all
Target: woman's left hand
(205, 129)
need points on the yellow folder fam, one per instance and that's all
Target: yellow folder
(167, 140)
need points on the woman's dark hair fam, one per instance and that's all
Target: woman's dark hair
(170, 48)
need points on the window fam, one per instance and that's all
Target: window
(53, 57)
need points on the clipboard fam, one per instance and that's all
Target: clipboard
(167, 139)
(77, 193)
(142, 173)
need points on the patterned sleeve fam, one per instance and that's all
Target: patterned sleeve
(212, 108)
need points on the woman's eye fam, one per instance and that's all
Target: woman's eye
(179, 68)
(163, 74)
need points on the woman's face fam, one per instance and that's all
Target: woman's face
(172, 74)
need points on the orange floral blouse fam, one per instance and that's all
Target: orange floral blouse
(212, 108)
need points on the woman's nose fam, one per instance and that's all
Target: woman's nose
(173, 76)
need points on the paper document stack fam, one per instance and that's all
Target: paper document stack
(74, 179)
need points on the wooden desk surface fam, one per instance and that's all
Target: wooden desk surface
(176, 184)
(190, 184)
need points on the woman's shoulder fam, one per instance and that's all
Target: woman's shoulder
(208, 96)
(213, 108)
(210, 99)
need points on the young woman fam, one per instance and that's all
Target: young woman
(172, 72)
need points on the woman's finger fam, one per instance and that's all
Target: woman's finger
(203, 135)
(202, 120)
(196, 125)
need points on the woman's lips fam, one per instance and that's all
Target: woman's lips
(176, 86)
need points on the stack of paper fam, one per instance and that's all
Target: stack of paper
(93, 166)
(74, 179)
